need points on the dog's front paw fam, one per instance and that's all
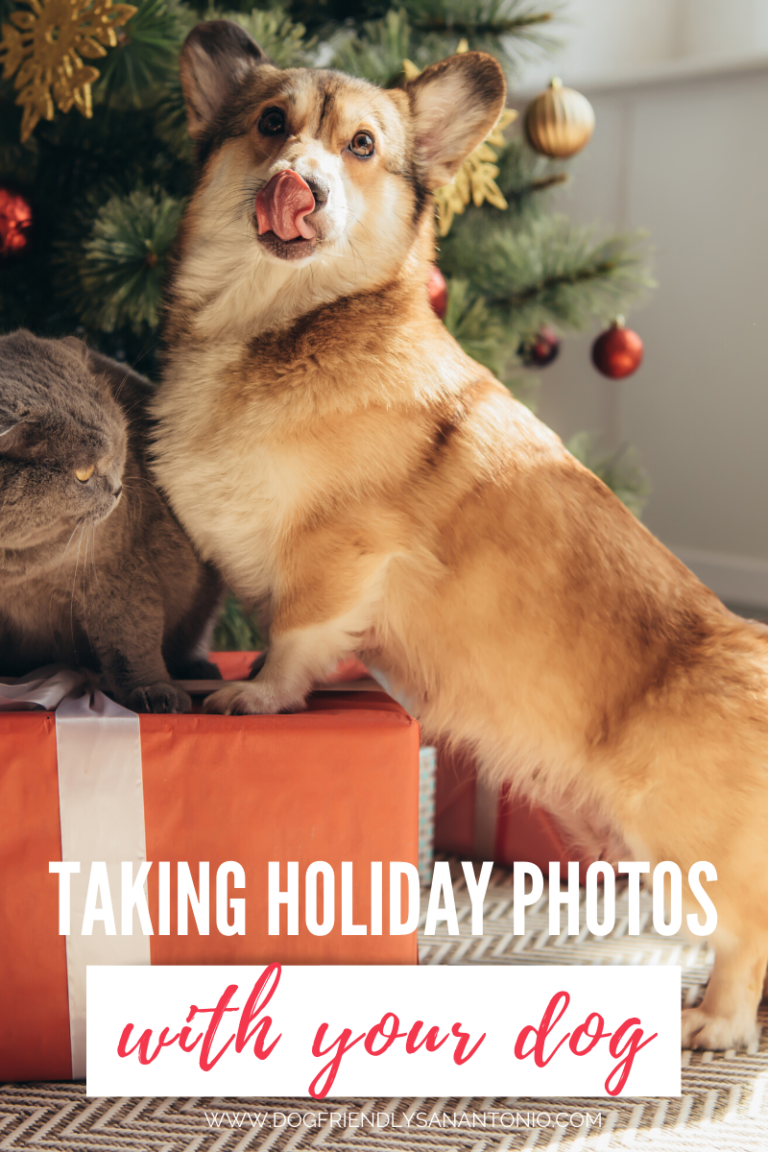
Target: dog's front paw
(244, 700)
(162, 697)
(700, 1029)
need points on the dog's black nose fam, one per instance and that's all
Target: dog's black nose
(319, 189)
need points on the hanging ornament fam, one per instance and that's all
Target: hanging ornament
(617, 352)
(44, 47)
(437, 290)
(15, 222)
(539, 350)
(559, 122)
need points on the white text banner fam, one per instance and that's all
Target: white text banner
(370, 1031)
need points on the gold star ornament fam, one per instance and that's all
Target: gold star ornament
(44, 48)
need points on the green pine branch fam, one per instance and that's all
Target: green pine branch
(476, 18)
(237, 630)
(376, 50)
(515, 31)
(425, 31)
(523, 176)
(480, 332)
(553, 271)
(116, 274)
(146, 55)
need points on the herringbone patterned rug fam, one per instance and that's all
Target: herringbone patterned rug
(724, 1104)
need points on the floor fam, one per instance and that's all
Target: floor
(724, 1102)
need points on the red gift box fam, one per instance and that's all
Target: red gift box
(336, 783)
(475, 819)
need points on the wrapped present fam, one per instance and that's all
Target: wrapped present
(83, 780)
(478, 819)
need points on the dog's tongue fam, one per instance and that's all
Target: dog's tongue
(281, 207)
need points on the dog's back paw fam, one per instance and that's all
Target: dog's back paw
(700, 1029)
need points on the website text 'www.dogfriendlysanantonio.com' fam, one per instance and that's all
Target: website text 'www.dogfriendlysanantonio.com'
(406, 1120)
(364, 1030)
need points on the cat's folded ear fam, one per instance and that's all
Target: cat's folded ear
(22, 439)
(75, 345)
(12, 435)
(216, 57)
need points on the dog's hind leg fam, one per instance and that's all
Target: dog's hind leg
(726, 1016)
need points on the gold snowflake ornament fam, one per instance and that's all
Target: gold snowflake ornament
(44, 49)
(475, 181)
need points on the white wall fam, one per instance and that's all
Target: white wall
(682, 150)
(605, 40)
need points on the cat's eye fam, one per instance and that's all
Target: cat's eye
(84, 474)
(272, 123)
(362, 145)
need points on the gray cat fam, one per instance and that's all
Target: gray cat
(94, 569)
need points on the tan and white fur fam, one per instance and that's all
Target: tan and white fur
(329, 446)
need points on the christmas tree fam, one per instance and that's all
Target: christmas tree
(96, 163)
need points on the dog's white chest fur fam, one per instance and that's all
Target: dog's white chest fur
(236, 488)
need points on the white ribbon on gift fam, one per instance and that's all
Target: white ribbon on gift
(101, 803)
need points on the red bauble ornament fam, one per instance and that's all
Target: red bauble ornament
(618, 352)
(541, 349)
(437, 290)
(15, 222)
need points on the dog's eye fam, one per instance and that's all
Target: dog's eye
(272, 122)
(362, 144)
(84, 474)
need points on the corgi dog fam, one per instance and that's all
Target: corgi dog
(333, 451)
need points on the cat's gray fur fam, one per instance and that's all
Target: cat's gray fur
(97, 574)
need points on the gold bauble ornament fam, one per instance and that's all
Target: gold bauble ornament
(44, 48)
(559, 122)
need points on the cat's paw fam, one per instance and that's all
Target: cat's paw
(257, 665)
(162, 697)
(700, 1029)
(247, 700)
(195, 670)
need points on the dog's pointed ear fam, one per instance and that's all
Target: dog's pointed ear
(216, 57)
(454, 105)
